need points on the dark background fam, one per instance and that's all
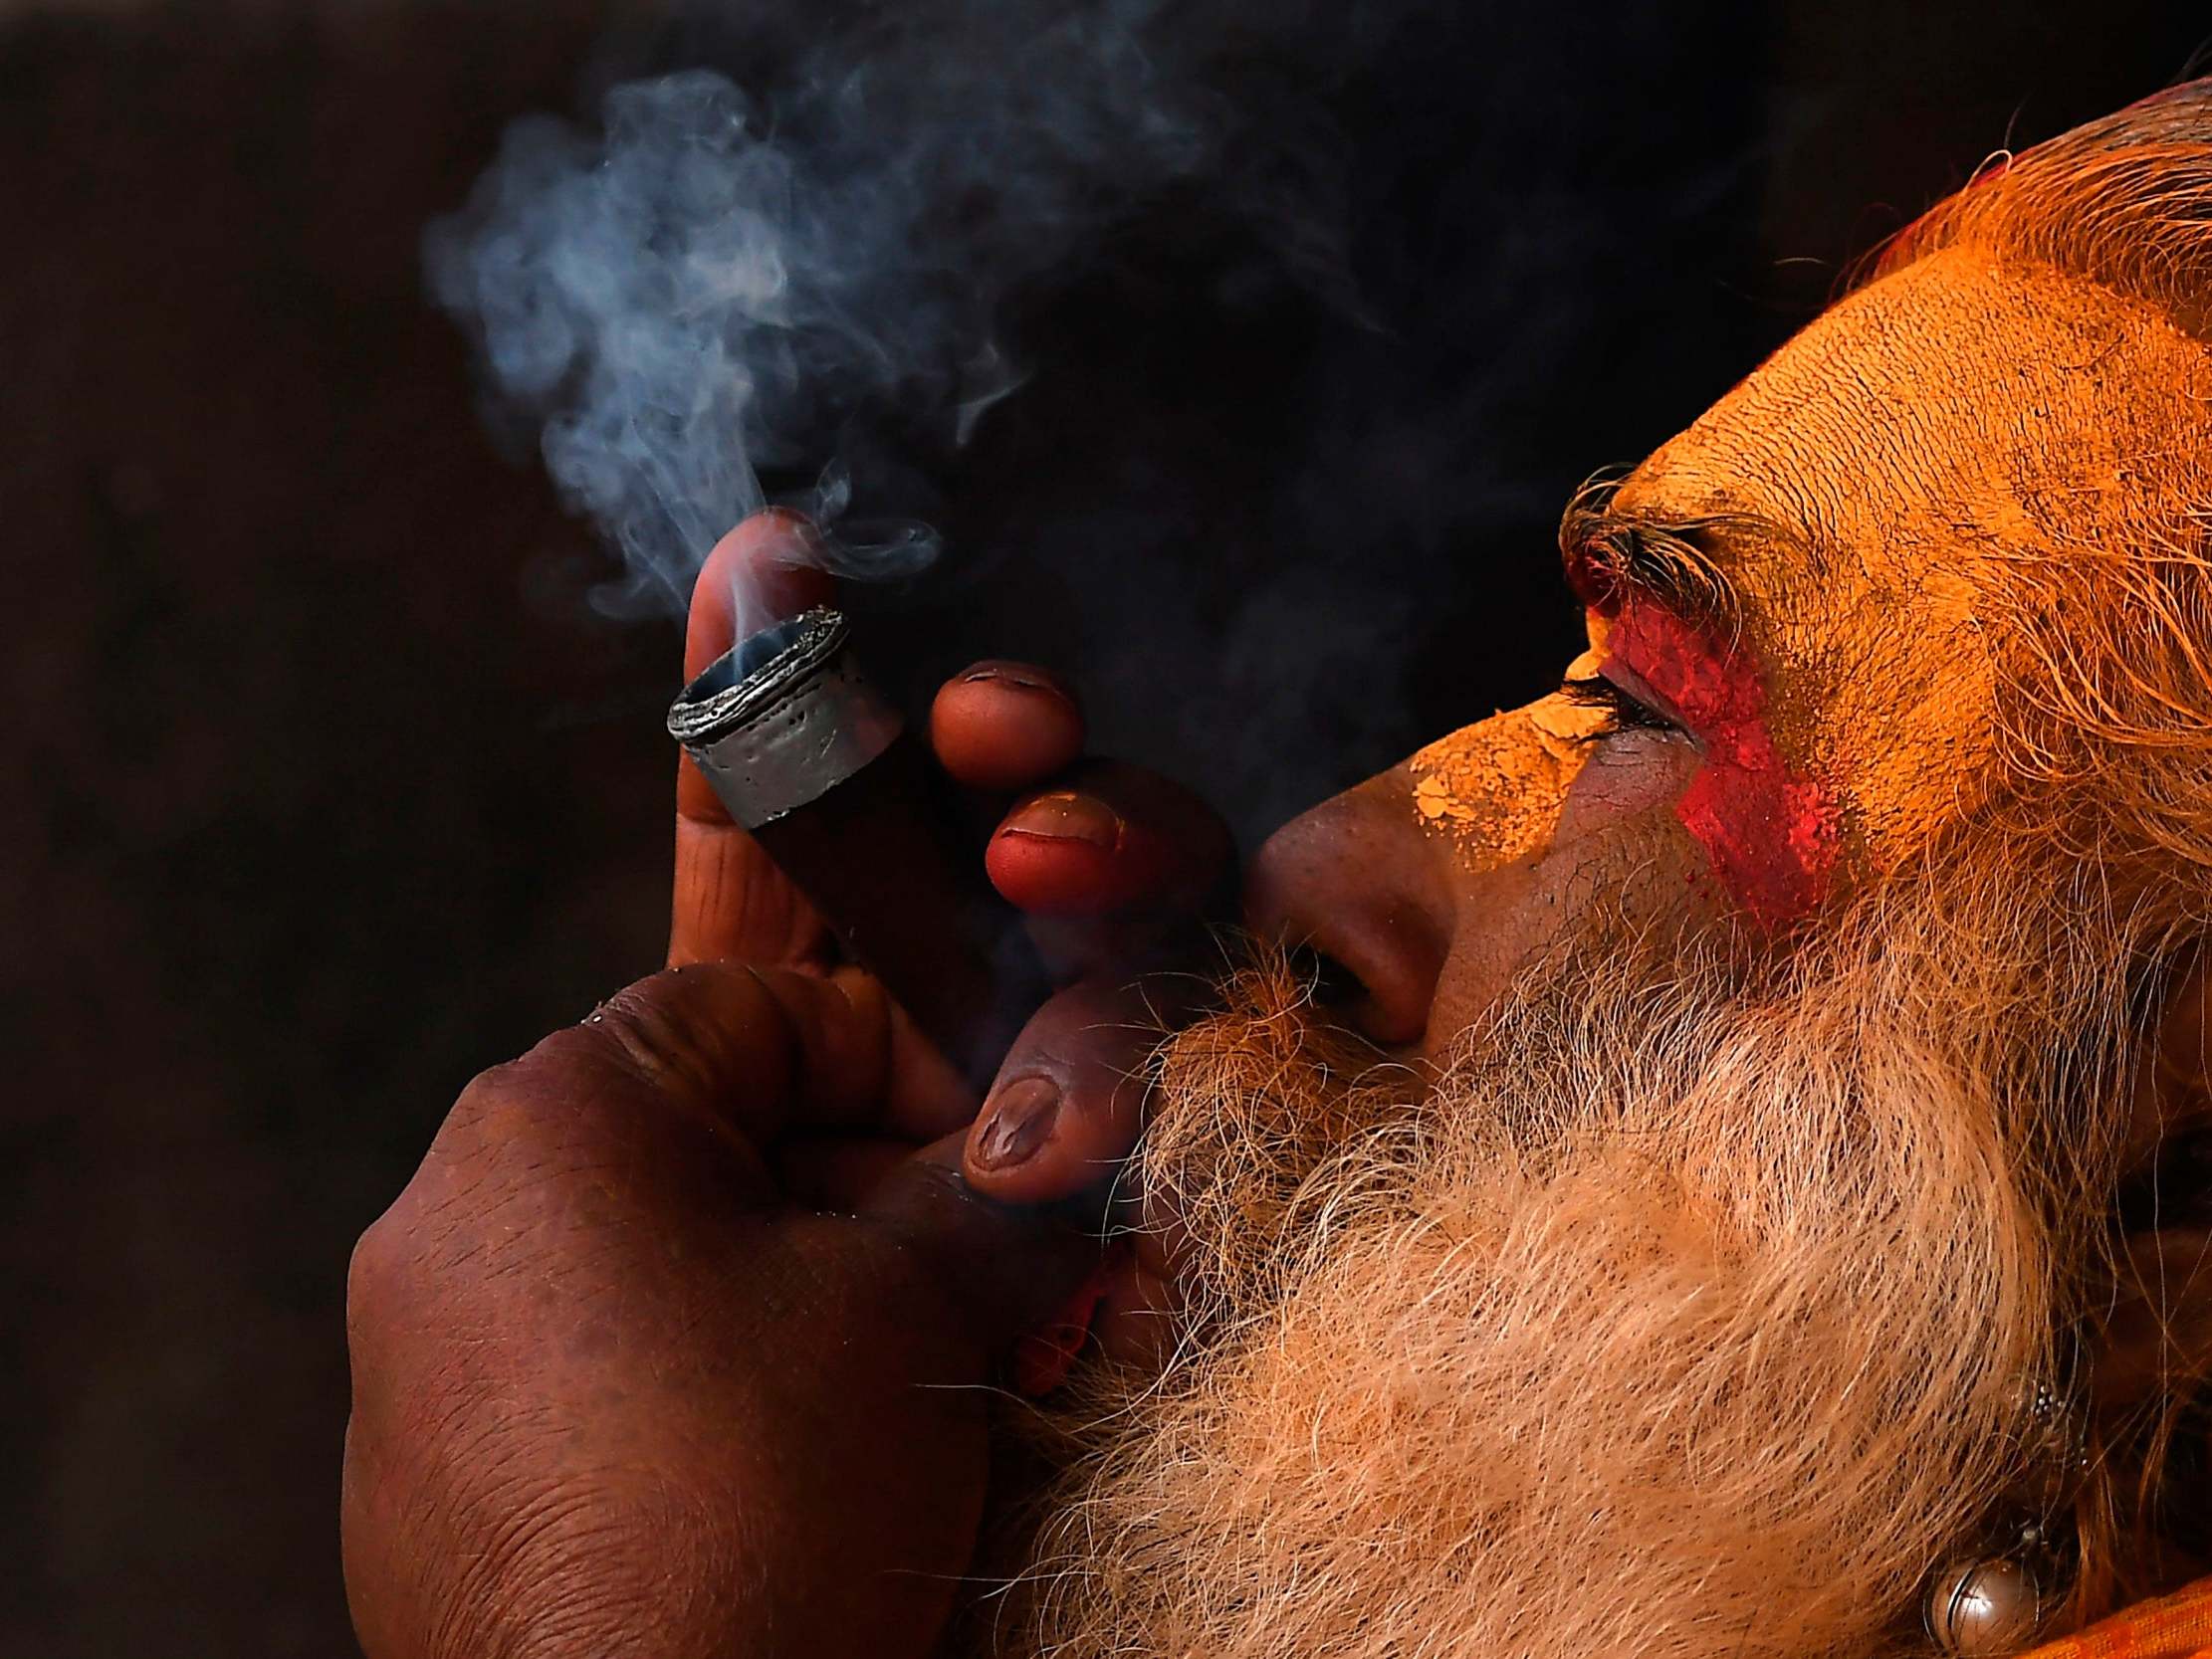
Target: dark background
(324, 787)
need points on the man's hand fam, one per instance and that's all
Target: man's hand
(621, 1386)
(1111, 866)
(615, 1393)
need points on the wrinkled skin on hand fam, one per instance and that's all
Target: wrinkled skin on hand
(616, 1391)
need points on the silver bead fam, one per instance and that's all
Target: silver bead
(2048, 1436)
(1985, 1608)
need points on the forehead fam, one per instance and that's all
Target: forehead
(1912, 446)
(1954, 411)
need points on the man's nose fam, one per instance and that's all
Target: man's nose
(1354, 880)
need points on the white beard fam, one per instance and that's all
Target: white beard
(1692, 1338)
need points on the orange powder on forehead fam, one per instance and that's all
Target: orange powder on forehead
(1963, 441)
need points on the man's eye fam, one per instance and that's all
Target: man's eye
(1624, 712)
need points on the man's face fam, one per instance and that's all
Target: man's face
(1741, 756)
(1684, 1298)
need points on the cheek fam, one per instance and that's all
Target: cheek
(1634, 776)
(1620, 842)
(1769, 832)
(1771, 836)
(1618, 874)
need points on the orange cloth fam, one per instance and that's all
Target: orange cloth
(2176, 1626)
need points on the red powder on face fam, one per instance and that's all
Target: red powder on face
(1770, 833)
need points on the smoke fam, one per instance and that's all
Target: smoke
(1317, 314)
(728, 277)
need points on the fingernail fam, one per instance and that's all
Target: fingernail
(1067, 816)
(1013, 675)
(1022, 1115)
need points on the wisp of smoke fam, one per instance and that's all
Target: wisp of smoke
(722, 279)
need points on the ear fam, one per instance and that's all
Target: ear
(2155, 1336)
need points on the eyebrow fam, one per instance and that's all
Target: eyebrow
(1610, 554)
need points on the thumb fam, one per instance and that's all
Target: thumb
(1013, 1267)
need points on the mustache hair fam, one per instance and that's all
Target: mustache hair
(1688, 1312)
(1255, 1101)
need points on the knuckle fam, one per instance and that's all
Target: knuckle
(506, 1108)
(394, 1265)
(483, 1094)
(643, 1033)
(635, 1036)
(373, 1278)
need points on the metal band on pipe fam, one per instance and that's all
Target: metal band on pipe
(783, 717)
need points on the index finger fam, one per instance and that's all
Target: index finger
(729, 900)
(763, 568)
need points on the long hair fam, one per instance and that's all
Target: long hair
(2106, 656)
